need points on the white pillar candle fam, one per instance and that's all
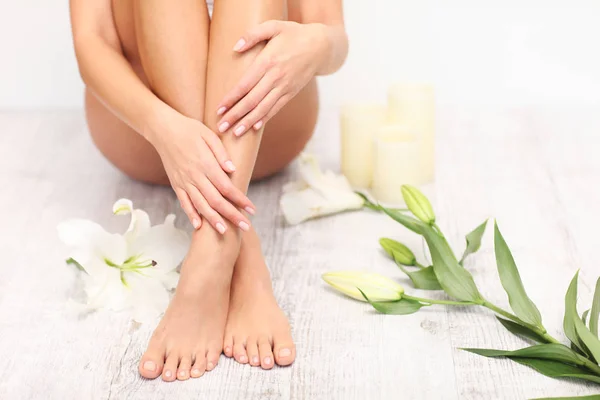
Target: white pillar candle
(413, 105)
(396, 162)
(359, 124)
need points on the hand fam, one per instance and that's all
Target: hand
(287, 63)
(195, 161)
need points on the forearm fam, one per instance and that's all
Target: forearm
(114, 82)
(335, 42)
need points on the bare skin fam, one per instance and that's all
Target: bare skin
(224, 301)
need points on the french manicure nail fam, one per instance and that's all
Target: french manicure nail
(221, 110)
(238, 46)
(258, 125)
(196, 223)
(239, 130)
(250, 210)
(230, 166)
(223, 127)
(150, 366)
(220, 228)
(244, 226)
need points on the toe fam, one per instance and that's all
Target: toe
(183, 371)
(239, 351)
(228, 346)
(199, 366)
(266, 355)
(212, 357)
(152, 361)
(252, 351)
(170, 368)
(284, 349)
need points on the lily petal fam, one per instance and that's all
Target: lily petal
(376, 287)
(140, 221)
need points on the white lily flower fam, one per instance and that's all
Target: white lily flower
(376, 287)
(134, 271)
(317, 193)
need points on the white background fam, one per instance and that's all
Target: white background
(476, 52)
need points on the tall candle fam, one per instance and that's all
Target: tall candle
(359, 124)
(396, 162)
(413, 105)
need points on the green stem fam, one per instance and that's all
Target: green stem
(432, 301)
(542, 332)
(591, 366)
(418, 264)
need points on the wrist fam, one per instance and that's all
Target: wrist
(158, 118)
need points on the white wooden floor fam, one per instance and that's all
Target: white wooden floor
(537, 171)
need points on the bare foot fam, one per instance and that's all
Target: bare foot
(257, 331)
(189, 339)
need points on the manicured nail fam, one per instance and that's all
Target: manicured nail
(168, 374)
(150, 366)
(243, 359)
(227, 350)
(258, 125)
(220, 228)
(221, 110)
(285, 352)
(230, 166)
(244, 226)
(196, 223)
(223, 127)
(255, 360)
(250, 210)
(239, 130)
(268, 360)
(210, 365)
(181, 374)
(195, 372)
(238, 46)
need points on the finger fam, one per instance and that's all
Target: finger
(259, 33)
(228, 190)
(248, 103)
(254, 118)
(200, 203)
(222, 206)
(283, 100)
(188, 208)
(254, 74)
(216, 146)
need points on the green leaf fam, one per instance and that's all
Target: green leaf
(595, 312)
(71, 261)
(584, 316)
(551, 351)
(409, 222)
(453, 278)
(555, 369)
(511, 281)
(574, 327)
(521, 330)
(424, 279)
(590, 397)
(473, 241)
(400, 307)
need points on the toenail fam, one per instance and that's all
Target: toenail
(168, 374)
(195, 372)
(267, 360)
(284, 352)
(181, 374)
(254, 360)
(150, 366)
(243, 359)
(210, 365)
(227, 350)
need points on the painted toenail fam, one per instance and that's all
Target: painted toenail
(210, 365)
(150, 366)
(227, 350)
(168, 374)
(195, 372)
(268, 360)
(181, 374)
(284, 352)
(254, 360)
(243, 359)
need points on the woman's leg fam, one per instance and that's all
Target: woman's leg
(256, 326)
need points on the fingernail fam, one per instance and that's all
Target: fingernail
(230, 166)
(196, 372)
(285, 352)
(221, 110)
(196, 223)
(254, 360)
(258, 125)
(238, 46)
(168, 374)
(223, 127)
(243, 359)
(250, 210)
(239, 130)
(268, 360)
(220, 228)
(150, 366)
(244, 226)
(210, 365)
